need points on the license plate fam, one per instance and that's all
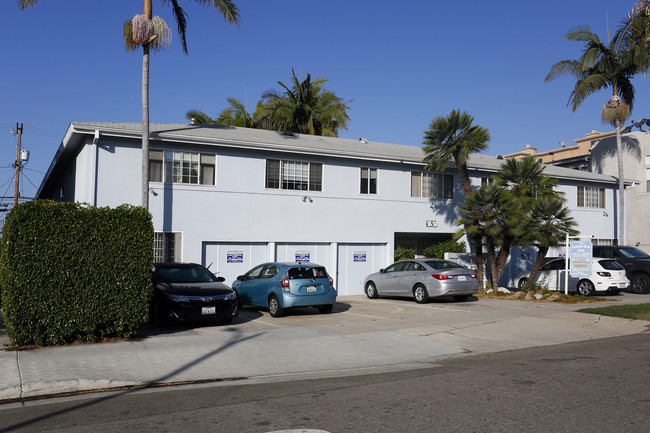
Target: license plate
(462, 278)
(311, 289)
(208, 310)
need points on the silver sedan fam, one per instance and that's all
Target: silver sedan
(422, 279)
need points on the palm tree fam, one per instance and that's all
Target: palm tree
(453, 137)
(234, 115)
(137, 31)
(603, 66)
(550, 224)
(493, 213)
(304, 107)
(526, 180)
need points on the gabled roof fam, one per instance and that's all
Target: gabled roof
(259, 139)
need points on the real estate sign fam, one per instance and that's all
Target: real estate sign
(580, 254)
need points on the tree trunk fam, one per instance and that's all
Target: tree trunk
(494, 279)
(145, 126)
(534, 272)
(502, 257)
(621, 186)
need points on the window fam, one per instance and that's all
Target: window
(485, 181)
(181, 167)
(295, 175)
(591, 197)
(368, 180)
(166, 247)
(434, 185)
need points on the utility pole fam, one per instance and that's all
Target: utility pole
(17, 164)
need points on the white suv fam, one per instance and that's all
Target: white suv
(606, 276)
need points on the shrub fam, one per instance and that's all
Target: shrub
(71, 272)
(403, 254)
(438, 250)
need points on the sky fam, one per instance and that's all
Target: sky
(399, 64)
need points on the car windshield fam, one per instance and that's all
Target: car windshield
(633, 253)
(442, 264)
(610, 265)
(185, 274)
(300, 273)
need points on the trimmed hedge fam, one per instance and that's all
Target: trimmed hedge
(72, 272)
(438, 250)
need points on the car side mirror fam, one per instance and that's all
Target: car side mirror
(240, 278)
(381, 271)
(221, 279)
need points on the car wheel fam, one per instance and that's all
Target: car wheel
(586, 288)
(420, 294)
(522, 283)
(371, 291)
(274, 307)
(640, 284)
(460, 298)
(325, 309)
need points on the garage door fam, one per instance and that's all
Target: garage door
(230, 259)
(355, 262)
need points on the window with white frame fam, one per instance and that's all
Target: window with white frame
(433, 185)
(589, 196)
(368, 180)
(295, 175)
(181, 167)
(166, 247)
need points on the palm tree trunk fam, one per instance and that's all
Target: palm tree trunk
(147, 11)
(534, 272)
(480, 266)
(621, 186)
(145, 126)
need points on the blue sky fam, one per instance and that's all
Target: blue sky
(399, 63)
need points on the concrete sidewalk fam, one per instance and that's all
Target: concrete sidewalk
(360, 335)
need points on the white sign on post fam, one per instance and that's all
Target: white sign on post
(580, 259)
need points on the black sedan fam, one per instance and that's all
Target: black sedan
(190, 292)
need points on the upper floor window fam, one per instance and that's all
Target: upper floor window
(166, 247)
(589, 196)
(434, 185)
(181, 167)
(368, 180)
(296, 175)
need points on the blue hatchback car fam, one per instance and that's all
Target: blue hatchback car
(278, 286)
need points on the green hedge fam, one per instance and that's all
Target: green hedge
(71, 272)
(438, 250)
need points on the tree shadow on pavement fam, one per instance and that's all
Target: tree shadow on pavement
(235, 339)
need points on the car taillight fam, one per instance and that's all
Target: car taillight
(473, 276)
(442, 277)
(285, 284)
(331, 281)
(604, 274)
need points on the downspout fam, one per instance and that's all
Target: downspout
(96, 166)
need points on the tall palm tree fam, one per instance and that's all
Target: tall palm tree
(603, 66)
(227, 8)
(549, 225)
(303, 107)
(454, 137)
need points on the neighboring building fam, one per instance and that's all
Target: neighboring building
(231, 198)
(596, 152)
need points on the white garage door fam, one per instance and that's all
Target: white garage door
(230, 259)
(355, 262)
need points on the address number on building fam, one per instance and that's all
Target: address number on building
(432, 223)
